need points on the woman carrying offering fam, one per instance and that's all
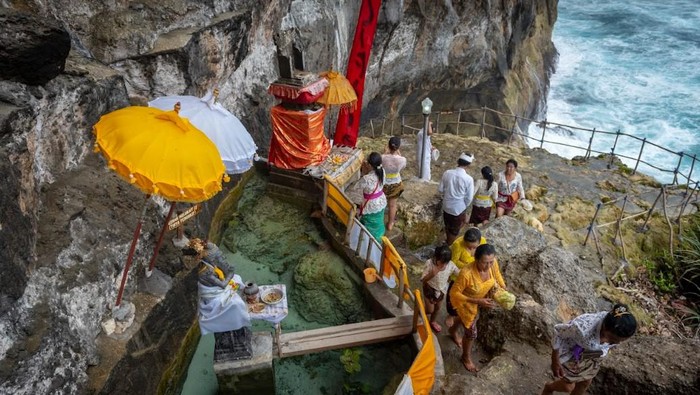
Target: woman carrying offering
(435, 277)
(485, 195)
(393, 163)
(510, 188)
(474, 282)
(368, 193)
(581, 344)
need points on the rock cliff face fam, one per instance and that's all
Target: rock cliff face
(65, 221)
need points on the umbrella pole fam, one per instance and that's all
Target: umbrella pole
(130, 258)
(151, 264)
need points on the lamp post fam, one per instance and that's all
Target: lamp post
(427, 106)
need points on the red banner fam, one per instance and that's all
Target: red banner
(348, 125)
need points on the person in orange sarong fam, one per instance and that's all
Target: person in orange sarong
(470, 291)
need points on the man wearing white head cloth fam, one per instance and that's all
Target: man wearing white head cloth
(457, 189)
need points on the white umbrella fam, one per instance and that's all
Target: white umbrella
(235, 144)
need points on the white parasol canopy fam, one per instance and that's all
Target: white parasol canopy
(235, 144)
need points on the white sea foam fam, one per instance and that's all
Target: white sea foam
(629, 67)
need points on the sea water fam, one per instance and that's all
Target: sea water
(632, 66)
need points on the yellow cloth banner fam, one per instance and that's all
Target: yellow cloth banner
(422, 371)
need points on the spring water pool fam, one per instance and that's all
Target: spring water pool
(270, 241)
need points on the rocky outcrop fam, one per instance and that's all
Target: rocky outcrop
(66, 221)
(32, 50)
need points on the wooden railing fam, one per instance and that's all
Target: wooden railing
(389, 264)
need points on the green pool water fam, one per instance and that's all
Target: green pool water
(269, 242)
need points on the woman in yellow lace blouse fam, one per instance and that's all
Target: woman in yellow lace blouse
(470, 291)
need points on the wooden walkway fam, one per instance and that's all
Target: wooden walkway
(342, 336)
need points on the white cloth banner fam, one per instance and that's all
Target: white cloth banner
(406, 387)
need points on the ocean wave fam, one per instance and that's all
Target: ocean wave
(629, 67)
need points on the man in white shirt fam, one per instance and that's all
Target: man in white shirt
(457, 189)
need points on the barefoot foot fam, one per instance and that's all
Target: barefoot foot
(469, 365)
(457, 339)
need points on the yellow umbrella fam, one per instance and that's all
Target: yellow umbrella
(339, 92)
(160, 153)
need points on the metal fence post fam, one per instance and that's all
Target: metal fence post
(544, 129)
(512, 129)
(590, 144)
(612, 150)
(590, 226)
(403, 123)
(678, 166)
(690, 173)
(437, 124)
(639, 157)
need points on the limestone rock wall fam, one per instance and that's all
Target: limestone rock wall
(66, 221)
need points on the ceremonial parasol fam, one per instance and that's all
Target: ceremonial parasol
(339, 93)
(160, 153)
(231, 138)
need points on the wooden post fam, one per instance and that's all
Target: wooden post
(130, 256)
(512, 129)
(612, 150)
(401, 286)
(639, 157)
(678, 166)
(544, 129)
(643, 228)
(690, 173)
(152, 263)
(416, 313)
(483, 120)
(459, 117)
(590, 144)
(359, 242)
(590, 226)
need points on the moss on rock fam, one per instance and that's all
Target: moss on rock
(324, 291)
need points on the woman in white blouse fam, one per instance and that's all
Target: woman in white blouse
(368, 193)
(393, 163)
(510, 188)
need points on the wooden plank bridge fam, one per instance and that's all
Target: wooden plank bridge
(343, 336)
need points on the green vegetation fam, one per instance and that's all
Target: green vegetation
(351, 360)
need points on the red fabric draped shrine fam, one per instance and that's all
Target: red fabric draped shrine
(348, 125)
